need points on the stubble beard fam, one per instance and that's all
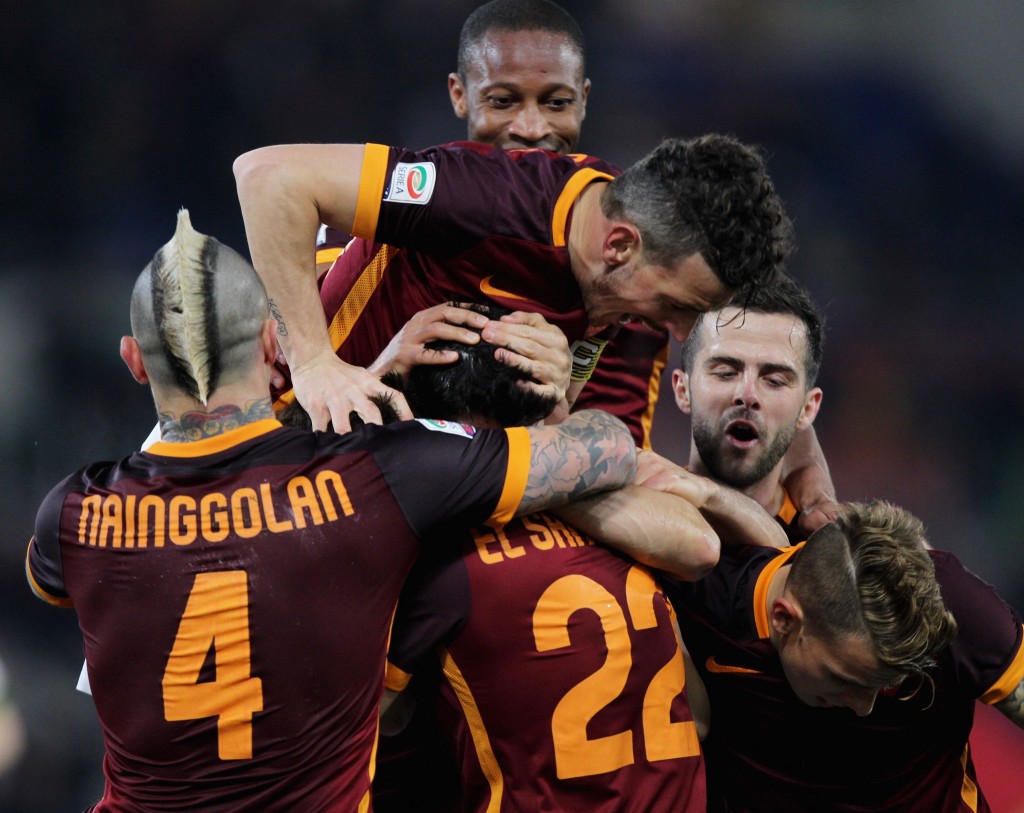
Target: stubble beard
(734, 467)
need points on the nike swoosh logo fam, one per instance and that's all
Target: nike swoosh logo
(490, 290)
(714, 666)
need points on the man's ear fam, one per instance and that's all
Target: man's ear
(583, 99)
(786, 615)
(621, 243)
(132, 356)
(268, 342)
(457, 93)
(681, 388)
(812, 403)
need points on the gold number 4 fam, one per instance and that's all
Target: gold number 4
(576, 754)
(217, 615)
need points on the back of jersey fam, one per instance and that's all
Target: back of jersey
(564, 678)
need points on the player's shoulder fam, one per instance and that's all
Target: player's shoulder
(525, 157)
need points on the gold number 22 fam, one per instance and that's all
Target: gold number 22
(576, 754)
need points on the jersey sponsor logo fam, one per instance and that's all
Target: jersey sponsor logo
(153, 520)
(449, 427)
(412, 183)
(713, 665)
(489, 290)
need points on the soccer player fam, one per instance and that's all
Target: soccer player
(557, 235)
(748, 384)
(521, 84)
(564, 681)
(235, 582)
(769, 642)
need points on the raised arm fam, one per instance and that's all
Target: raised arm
(806, 477)
(590, 452)
(285, 192)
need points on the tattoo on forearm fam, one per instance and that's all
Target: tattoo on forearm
(198, 425)
(590, 452)
(1013, 705)
(282, 328)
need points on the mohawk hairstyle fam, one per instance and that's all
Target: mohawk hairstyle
(181, 283)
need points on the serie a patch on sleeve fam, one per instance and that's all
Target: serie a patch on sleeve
(450, 427)
(412, 183)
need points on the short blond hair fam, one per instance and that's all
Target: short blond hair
(868, 573)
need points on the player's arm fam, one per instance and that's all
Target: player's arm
(285, 192)
(656, 528)
(590, 452)
(735, 517)
(806, 477)
(1012, 706)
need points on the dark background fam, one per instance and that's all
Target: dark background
(894, 131)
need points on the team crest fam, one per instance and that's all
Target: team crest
(412, 183)
(452, 428)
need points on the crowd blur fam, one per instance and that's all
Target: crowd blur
(895, 136)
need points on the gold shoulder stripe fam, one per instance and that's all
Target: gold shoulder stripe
(355, 303)
(1010, 680)
(568, 197)
(761, 588)
(482, 743)
(968, 789)
(515, 476)
(653, 388)
(371, 190)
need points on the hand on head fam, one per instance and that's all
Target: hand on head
(330, 390)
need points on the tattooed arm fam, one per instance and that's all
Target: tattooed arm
(590, 452)
(1012, 706)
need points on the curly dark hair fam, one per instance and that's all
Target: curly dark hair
(710, 195)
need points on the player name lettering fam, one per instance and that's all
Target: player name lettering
(126, 520)
(547, 534)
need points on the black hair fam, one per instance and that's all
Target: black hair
(516, 15)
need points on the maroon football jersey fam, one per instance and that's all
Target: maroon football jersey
(465, 222)
(627, 378)
(564, 682)
(769, 751)
(235, 594)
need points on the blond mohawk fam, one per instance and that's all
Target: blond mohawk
(182, 287)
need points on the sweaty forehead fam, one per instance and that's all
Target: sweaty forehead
(512, 56)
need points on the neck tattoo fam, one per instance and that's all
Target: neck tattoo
(198, 425)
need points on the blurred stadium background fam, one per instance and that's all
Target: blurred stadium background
(894, 131)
